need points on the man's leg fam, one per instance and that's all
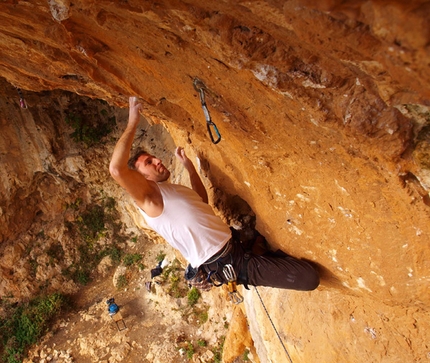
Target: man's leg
(275, 270)
(270, 269)
(284, 272)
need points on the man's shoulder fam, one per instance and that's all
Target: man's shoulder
(166, 186)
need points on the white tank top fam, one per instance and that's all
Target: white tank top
(188, 224)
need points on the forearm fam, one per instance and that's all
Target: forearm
(121, 152)
(122, 148)
(196, 183)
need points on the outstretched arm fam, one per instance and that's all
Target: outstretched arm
(196, 182)
(135, 183)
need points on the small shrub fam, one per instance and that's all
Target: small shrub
(82, 276)
(109, 203)
(202, 343)
(114, 252)
(190, 350)
(92, 223)
(133, 239)
(174, 289)
(75, 205)
(26, 323)
(246, 355)
(174, 275)
(202, 316)
(217, 351)
(90, 127)
(160, 257)
(193, 296)
(131, 258)
(122, 282)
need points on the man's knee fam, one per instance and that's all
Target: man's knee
(311, 280)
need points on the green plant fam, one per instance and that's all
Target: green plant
(217, 351)
(75, 205)
(173, 274)
(26, 323)
(113, 251)
(109, 203)
(92, 223)
(122, 282)
(131, 258)
(245, 356)
(202, 316)
(95, 221)
(82, 276)
(193, 296)
(79, 274)
(160, 257)
(90, 128)
(202, 343)
(174, 289)
(190, 350)
(133, 239)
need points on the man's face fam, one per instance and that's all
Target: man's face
(152, 168)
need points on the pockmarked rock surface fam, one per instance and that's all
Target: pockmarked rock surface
(323, 111)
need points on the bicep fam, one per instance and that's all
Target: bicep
(134, 183)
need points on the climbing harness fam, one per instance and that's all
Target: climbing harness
(273, 325)
(234, 296)
(200, 87)
(22, 102)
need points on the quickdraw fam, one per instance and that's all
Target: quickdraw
(234, 296)
(200, 87)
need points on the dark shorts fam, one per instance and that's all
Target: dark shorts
(274, 269)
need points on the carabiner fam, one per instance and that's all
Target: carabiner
(200, 88)
(209, 124)
(234, 296)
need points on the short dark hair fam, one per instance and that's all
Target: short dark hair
(137, 153)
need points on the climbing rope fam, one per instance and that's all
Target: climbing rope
(200, 87)
(273, 325)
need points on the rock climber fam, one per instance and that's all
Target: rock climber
(183, 217)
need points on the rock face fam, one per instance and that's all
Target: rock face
(323, 113)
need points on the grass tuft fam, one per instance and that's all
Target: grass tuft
(26, 323)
